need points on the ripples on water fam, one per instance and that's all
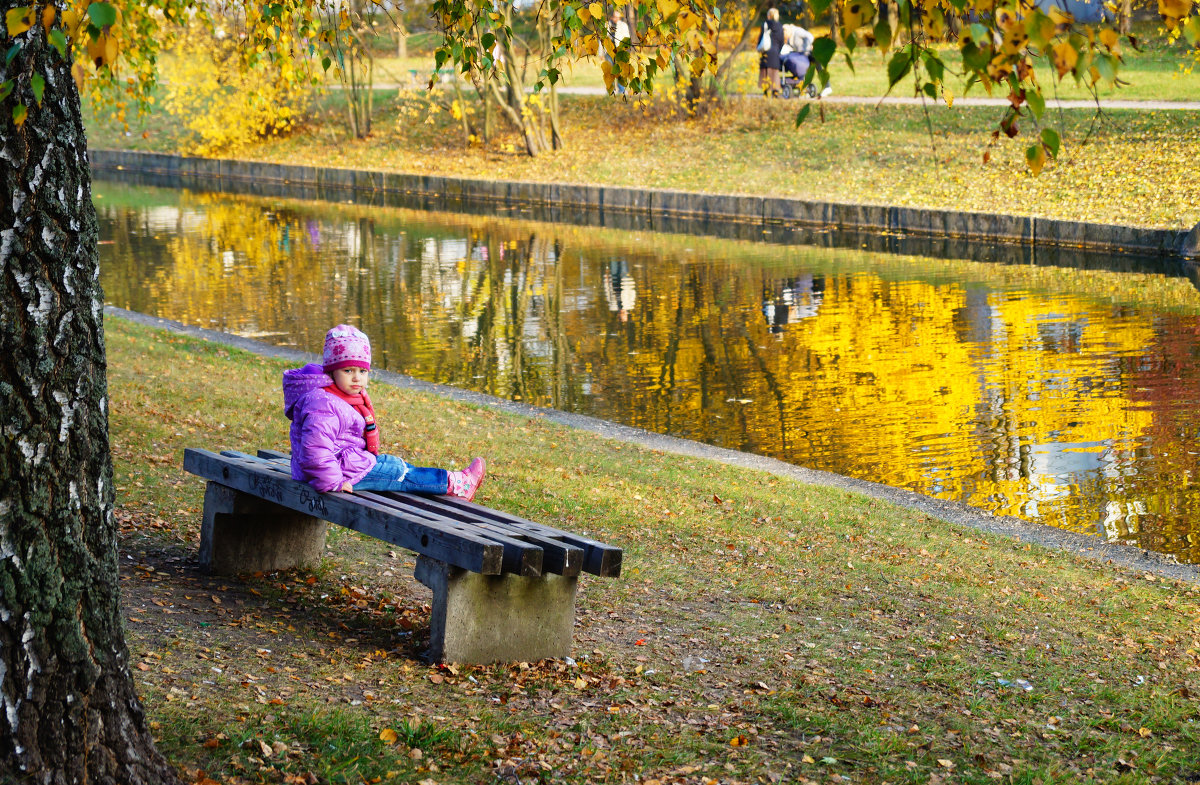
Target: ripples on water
(1060, 395)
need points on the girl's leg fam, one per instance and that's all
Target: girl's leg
(422, 479)
(392, 474)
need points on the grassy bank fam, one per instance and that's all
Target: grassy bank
(762, 630)
(1127, 167)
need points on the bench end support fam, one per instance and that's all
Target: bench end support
(243, 534)
(480, 619)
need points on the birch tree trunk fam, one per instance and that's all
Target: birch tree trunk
(68, 709)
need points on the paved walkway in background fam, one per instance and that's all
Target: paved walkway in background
(898, 100)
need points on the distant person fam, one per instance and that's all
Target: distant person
(792, 300)
(335, 440)
(770, 60)
(796, 54)
(618, 31)
(619, 290)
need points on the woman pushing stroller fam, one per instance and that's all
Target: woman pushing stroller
(795, 59)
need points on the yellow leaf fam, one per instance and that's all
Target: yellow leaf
(935, 24)
(1035, 158)
(1109, 38)
(667, 7)
(110, 50)
(19, 113)
(596, 10)
(48, 14)
(1006, 19)
(70, 21)
(1014, 41)
(1065, 58)
(95, 50)
(1060, 17)
(388, 736)
(1040, 28)
(1172, 11)
(856, 13)
(948, 96)
(18, 20)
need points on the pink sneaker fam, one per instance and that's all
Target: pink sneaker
(464, 484)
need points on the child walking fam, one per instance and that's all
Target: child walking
(335, 439)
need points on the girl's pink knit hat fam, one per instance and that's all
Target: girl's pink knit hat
(346, 347)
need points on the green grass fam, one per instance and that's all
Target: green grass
(842, 635)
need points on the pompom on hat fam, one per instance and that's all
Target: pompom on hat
(346, 347)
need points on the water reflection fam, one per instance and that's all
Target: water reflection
(1061, 395)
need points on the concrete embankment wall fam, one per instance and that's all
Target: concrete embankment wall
(986, 228)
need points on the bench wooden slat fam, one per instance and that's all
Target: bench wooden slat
(560, 556)
(522, 555)
(598, 558)
(454, 546)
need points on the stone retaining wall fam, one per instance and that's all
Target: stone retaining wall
(987, 228)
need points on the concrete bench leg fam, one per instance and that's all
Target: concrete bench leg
(479, 619)
(242, 533)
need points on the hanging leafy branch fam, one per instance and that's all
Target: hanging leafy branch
(999, 45)
(116, 45)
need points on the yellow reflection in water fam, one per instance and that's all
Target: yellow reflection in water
(1019, 390)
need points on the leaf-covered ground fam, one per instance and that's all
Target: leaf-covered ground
(762, 631)
(1127, 167)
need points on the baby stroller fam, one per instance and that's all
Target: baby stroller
(795, 66)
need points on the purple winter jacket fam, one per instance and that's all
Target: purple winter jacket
(328, 447)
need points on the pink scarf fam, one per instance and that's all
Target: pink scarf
(362, 405)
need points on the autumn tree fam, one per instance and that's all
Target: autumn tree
(1000, 43)
(70, 711)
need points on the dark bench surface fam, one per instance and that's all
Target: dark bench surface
(444, 528)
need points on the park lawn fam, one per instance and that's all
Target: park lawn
(761, 630)
(1123, 166)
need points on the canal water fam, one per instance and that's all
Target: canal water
(1064, 395)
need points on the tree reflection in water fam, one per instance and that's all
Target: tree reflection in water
(1059, 395)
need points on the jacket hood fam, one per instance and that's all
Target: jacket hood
(299, 382)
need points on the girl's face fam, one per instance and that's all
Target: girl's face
(351, 381)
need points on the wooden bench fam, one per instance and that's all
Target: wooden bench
(503, 587)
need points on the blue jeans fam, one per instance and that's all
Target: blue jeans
(392, 474)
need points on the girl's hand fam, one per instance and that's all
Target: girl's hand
(347, 488)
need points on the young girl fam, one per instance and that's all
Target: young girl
(335, 441)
